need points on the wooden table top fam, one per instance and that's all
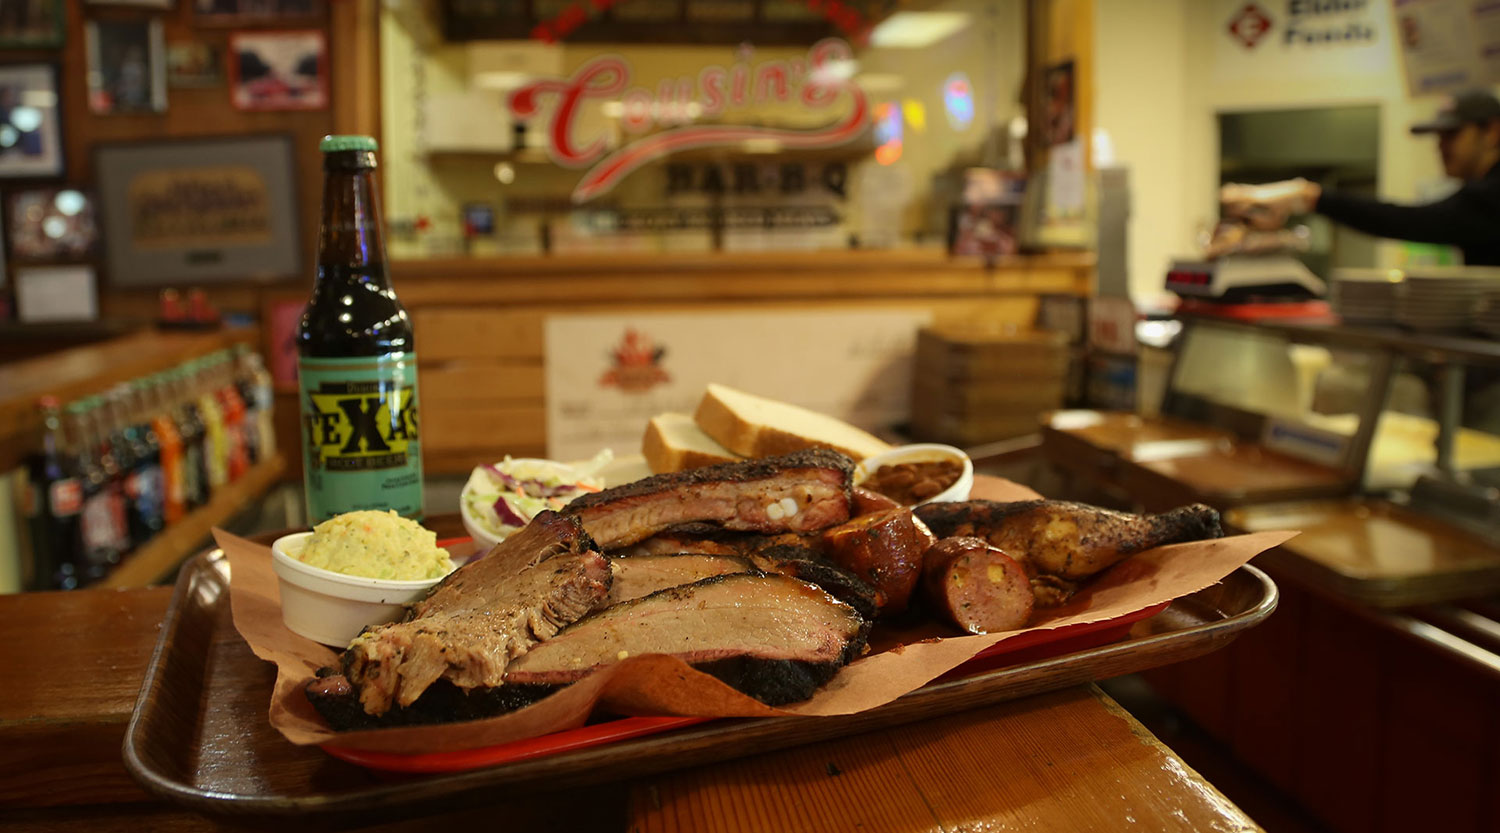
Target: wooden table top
(1068, 760)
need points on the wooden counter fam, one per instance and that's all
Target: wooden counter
(1069, 760)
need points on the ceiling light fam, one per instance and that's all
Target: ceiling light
(914, 30)
(500, 80)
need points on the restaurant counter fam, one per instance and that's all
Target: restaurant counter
(1372, 688)
(1068, 760)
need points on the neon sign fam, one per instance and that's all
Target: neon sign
(814, 81)
(958, 100)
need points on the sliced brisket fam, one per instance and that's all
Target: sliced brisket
(642, 575)
(481, 617)
(773, 637)
(799, 492)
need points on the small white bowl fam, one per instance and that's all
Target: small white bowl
(332, 608)
(923, 453)
(483, 538)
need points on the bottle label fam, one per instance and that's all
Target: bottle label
(360, 435)
(104, 530)
(66, 497)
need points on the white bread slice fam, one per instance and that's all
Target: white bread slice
(754, 426)
(674, 442)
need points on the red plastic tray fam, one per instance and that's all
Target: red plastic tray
(1030, 647)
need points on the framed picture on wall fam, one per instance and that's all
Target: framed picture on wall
(50, 225)
(143, 4)
(127, 66)
(199, 210)
(30, 116)
(282, 70)
(195, 64)
(31, 24)
(280, 316)
(255, 12)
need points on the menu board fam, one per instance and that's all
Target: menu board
(607, 375)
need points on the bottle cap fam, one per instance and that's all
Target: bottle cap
(334, 144)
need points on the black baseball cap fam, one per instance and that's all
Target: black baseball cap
(1477, 106)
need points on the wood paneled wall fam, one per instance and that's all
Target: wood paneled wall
(480, 323)
(351, 28)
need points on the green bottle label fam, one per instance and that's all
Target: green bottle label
(360, 435)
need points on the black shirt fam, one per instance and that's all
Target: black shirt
(1468, 219)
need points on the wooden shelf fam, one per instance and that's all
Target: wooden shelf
(180, 540)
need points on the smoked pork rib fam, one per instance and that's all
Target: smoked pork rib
(772, 637)
(481, 617)
(798, 492)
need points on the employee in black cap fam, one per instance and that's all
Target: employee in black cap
(1468, 130)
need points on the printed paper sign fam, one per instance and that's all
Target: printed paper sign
(607, 375)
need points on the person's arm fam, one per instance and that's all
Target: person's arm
(1469, 217)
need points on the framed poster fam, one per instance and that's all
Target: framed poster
(56, 293)
(30, 115)
(37, 24)
(278, 70)
(255, 12)
(280, 315)
(199, 210)
(127, 66)
(195, 64)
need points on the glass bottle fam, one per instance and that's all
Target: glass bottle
(357, 365)
(158, 404)
(55, 505)
(103, 535)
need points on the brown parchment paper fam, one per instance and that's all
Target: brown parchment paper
(662, 685)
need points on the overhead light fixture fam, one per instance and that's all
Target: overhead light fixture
(500, 80)
(914, 30)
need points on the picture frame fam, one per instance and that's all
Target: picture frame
(228, 13)
(284, 69)
(127, 66)
(155, 5)
(29, 99)
(56, 293)
(199, 210)
(51, 225)
(195, 64)
(39, 25)
(280, 316)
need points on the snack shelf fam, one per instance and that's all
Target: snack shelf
(177, 542)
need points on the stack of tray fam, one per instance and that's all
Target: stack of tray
(1441, 299)
(1366, 296)
(1487, 317)
(977, 383)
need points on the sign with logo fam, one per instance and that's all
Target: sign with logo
(820, 81)
(1259, 39)
(607, 375)
(1305, 442)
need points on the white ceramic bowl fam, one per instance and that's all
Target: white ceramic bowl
(923, 453)
(484, 539)
(333, 608)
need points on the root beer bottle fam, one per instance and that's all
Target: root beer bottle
(358, 367)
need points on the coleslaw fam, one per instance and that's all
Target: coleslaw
(503, 497)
